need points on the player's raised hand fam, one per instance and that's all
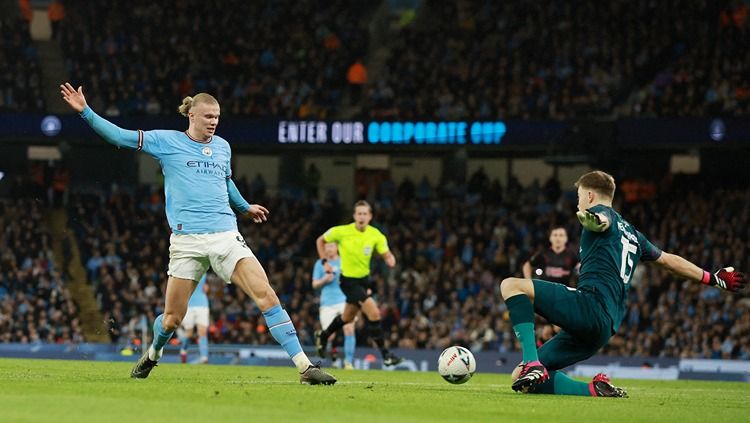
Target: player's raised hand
(258, 213)
(75, 99)
(591, 221)
(728, 279)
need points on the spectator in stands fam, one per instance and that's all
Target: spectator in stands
(357, 78)
(55, 14)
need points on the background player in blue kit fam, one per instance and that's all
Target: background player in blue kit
(332, 298)
(610, 250)
(197, 316)
(200, 195)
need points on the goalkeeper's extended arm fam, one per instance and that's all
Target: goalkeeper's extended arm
(112, 133)
(726, 278)
(235, 198)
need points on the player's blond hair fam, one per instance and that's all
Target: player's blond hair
(188, 102)
(598, 181)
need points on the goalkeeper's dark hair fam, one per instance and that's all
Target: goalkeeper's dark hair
(598, 181)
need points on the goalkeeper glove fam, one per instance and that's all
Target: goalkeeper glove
(590, 221)
(725, 278)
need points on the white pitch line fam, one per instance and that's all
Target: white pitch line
(359, 382)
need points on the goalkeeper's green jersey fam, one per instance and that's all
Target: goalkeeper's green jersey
(356, 247)
(608, 260)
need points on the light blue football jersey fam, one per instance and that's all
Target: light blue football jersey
(331, 293)
(195, 174)
(199, 297)
(197, 184)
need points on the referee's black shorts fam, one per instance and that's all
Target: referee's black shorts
(355, 289)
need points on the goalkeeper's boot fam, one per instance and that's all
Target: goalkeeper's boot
(142, 367)
(320, 343)
(392, 359)
(600, 386)
(314, 375)
(532, 373)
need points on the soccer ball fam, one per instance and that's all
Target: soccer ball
(456, 365)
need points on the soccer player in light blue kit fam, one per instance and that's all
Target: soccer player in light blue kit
(200, 195)
(332, 298)
(196, 316)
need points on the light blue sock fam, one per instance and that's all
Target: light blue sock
(161, 336)
(184, 341)
(282, 330)
(203, 346)
(350, 342)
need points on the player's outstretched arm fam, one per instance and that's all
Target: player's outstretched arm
(726, 278)
(112, 133)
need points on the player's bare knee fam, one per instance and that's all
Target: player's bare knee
(372, 313)
(266, 299)
(509, 287)
(171, 321)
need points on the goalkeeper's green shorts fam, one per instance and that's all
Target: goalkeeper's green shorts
(586, 327)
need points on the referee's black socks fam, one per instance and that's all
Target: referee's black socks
(375, 331)
(335, 325)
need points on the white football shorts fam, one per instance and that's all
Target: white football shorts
(190, 255)
(195, 316)
(328, 313)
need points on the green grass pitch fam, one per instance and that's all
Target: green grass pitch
(78, 391)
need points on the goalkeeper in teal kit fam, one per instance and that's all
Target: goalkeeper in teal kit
(200, 198)
(611, 248)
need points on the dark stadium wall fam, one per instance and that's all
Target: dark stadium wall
(729, 169)
(13, 158)
(101, 165)
(292, 170)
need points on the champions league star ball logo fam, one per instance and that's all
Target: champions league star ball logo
(207, 151)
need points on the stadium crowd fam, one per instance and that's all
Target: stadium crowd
(456, 60)
(35, 304)
(283, 59)
(20, 76)
(445, 288)
(708, 75)
(556, 60)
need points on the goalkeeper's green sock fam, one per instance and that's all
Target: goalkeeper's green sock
(561, 384)
(522, 316)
